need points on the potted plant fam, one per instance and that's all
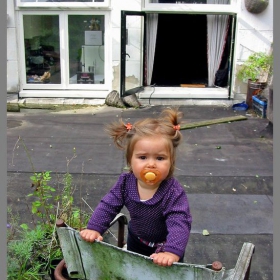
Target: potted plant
(255, 71)
(256, 65)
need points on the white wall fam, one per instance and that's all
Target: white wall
(134, 5)
(255, 33)
(12, 54)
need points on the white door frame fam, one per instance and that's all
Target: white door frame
(179, 92)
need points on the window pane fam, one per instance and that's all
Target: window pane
(86, 49)
(223, 2)
(62, 0)
(42, 49)
(65, 1)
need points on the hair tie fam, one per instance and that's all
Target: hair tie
(176, 127)
(128, 126)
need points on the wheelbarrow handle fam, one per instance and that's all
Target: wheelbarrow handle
(122, 220)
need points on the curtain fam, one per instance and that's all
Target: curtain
(217, 28)
(151, 24)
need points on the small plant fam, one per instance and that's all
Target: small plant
(12, 225)
(256, 65)
(25, 255)
(43, 193)
(33, 250)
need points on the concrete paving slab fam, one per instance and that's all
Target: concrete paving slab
(224, 213)
(230, 160)
(262, 185)
(53, 154)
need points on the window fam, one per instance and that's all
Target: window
(191, 6)
(63, 3)
(64, 50)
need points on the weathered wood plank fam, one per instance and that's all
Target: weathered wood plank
(211, 122)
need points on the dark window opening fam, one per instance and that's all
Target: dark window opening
(181, 50)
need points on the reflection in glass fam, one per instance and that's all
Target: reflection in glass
(42, 49)
(86, 49)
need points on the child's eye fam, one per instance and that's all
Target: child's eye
(142, 157)
(160, 158)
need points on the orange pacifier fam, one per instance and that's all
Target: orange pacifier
(150, 176)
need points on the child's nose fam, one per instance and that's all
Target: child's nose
(152, 163)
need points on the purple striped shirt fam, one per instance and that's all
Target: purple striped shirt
(164, 217)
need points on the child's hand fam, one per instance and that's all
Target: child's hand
(164, 258)
(90, 235)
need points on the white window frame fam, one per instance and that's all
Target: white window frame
(83, 90)
(68, 5)
(190, 8)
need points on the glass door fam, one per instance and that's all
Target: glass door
(132, 51)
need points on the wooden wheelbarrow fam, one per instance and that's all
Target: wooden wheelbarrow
(101, 260)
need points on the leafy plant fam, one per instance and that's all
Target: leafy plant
(25, 254)
(43, 192)
(32, 251)
(255, 65)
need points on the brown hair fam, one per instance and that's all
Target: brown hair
(167, 124)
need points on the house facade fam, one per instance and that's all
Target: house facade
(161, 49)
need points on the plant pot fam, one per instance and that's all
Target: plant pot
(60, 272)
(253, 88)
(270, 104)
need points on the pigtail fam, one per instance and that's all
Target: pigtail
(172, 117)
(118, 132)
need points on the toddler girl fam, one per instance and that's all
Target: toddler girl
(160, 219)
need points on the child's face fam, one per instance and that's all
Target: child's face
(151, 153)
